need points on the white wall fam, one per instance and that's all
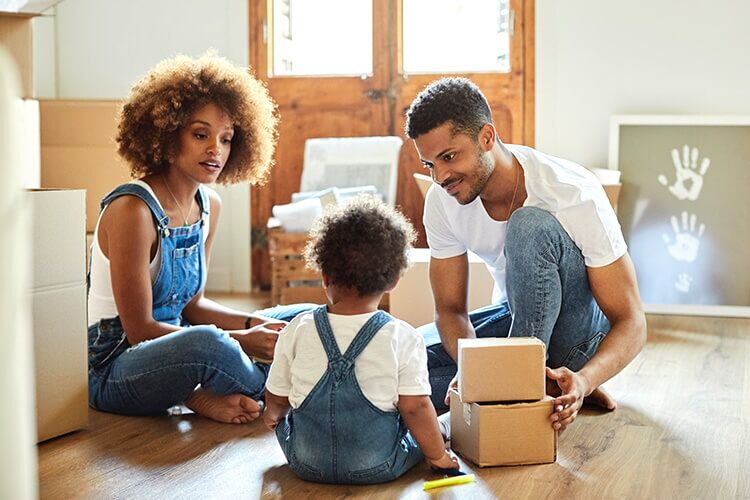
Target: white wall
(101, 47)
(599, 58)
(104, 46)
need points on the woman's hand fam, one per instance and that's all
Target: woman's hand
(260, 341)
(278, 324)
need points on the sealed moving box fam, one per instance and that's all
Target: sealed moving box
(79, 150)
(503, 434)
(501, 369)
(58, 302)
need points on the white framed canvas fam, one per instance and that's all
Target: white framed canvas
(685, 210)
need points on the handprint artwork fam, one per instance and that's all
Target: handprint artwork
(686, 240)
(688, 175)
(684, 280)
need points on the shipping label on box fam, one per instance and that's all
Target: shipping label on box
(501, 369)
(503, 434)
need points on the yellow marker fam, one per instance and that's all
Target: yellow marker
(448, 481)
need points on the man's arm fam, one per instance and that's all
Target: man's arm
(616, 291)
(449, 279)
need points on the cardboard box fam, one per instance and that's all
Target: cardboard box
(16, 36)
(501, 369)
(613, 193)
(79, 150)
(503, 434)
(412, 299)
(58, 301)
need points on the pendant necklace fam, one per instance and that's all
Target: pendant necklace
(179, 207)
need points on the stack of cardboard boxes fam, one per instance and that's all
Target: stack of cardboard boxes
(500, 413)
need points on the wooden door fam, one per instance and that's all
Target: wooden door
(370, 103)
(510, 95)
(311, 106)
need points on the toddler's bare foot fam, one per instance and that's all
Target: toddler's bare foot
(230, 409)
(601, 398)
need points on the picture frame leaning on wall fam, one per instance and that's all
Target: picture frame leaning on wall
(685, 210)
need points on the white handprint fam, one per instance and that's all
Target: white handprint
(683, 282)
(686, 172)
(685, 246)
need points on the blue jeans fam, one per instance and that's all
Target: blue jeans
(157, 374)
(337, 435)
(548, 297)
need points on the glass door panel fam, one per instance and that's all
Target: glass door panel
(456, 36)
(322, 37)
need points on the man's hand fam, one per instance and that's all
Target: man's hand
(453, 385)
(574, 388)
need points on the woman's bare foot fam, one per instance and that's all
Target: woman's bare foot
(601, 398)
(230, 409)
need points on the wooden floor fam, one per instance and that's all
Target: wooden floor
(682, 430)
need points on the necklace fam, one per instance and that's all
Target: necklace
(513, 200)
(179, 207)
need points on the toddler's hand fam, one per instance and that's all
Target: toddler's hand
(447, 461)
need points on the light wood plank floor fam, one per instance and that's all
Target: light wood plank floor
(682, 430)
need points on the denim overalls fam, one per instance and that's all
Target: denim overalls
(157, 374)
(337, 435)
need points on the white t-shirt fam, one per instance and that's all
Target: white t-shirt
(393, 363)
(571, 193)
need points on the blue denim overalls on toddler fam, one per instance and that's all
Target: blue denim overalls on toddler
(337, 435)
(157, 374)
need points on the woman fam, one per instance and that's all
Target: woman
(187, 123)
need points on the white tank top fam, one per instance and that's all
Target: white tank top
(101, 300)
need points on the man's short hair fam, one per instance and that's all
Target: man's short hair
(455, 100)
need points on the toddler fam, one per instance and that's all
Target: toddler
(348, 391)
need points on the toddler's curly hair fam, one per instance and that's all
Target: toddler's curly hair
(362, 245)
(160, 104)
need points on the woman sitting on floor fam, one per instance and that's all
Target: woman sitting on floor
(155, 340)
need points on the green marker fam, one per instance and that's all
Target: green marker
(448, 481)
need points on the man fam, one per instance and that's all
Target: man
(550, 238)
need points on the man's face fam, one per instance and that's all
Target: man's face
(456, 163)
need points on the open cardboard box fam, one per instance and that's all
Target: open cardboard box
(503, 434)
(58, 301)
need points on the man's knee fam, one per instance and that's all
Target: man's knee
(530, 228)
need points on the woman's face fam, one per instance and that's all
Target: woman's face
(205, 144)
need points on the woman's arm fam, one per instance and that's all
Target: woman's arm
(257, 335)
(203, 311)
(127, 237)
